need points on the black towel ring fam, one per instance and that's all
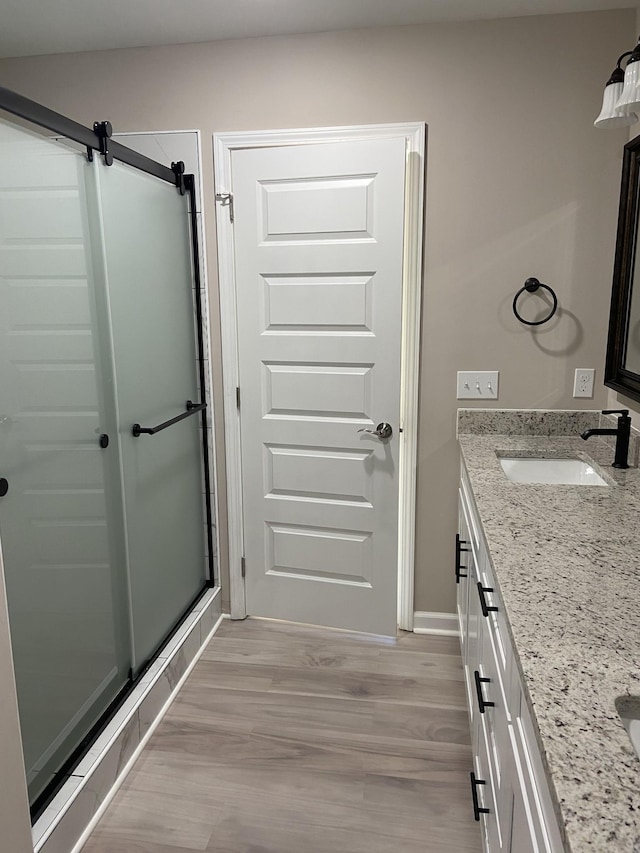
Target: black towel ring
(531, 285)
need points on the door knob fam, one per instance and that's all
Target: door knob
(383, 430)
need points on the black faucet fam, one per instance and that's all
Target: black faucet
(623, 433)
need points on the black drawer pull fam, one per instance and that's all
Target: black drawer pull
(4, 487)
(482, 703)
(459, 550)
(477, 810)
(486, 608)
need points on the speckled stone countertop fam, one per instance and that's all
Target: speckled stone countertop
(567, 563)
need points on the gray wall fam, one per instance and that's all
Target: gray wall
(519, 183)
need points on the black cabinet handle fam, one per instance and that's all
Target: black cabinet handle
(4, 487)
(486, 608)
(477, 810)
(459, 550)
(482, 703)
(191, 409)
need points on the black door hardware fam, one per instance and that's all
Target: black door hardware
(459, 550)
(4, 487)
(104, 441)
(104, 131)
(477, 809)
(482, 702)
(178, 170)
(486, 608)
(192, 409)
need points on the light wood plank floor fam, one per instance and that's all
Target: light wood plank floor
(293, 739)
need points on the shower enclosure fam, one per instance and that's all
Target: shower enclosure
(105, 519)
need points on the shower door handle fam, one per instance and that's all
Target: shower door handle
(192, 409)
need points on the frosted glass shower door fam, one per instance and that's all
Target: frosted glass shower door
(149, 286)
(61, 519)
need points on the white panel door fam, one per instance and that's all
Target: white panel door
(318, 255)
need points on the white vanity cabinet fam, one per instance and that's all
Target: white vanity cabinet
(509, 791)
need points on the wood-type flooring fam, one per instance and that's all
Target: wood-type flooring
(293, 739)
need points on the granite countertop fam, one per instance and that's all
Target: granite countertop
(567, 563)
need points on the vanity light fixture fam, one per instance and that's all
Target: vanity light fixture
(621, 101)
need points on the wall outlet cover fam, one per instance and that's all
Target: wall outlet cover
(583, 382)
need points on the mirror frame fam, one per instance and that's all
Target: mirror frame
(616, 376)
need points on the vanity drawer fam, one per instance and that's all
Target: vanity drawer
(485, 794)
(465, 571)
(535, 791)
(526, 829)
(493, 711)
(470, 510)
(473, 645)
(495, 619)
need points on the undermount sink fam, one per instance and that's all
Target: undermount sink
(628, 707)
(571, 472)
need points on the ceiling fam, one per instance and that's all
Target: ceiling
(32, 27)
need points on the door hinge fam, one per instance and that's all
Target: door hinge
(238, 398)
(226, 198)
(243, 566)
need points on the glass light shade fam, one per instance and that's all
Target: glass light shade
(630, 96)
(612, 115)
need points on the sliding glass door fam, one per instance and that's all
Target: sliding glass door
(149, 309)
(102, 531)
(63, 555)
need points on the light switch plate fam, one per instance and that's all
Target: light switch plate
(583, 382)
(478, 384)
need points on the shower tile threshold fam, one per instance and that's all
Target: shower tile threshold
(98, 775)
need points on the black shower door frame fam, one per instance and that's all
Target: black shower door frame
(97, 141)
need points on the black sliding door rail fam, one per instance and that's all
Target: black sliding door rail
(92, 140)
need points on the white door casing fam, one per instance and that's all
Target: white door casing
(317, 295)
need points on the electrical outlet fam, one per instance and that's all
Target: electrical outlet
(478, 384)
(583, 382)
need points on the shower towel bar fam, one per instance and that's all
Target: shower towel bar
(192, 409)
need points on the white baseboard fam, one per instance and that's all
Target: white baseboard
(445, 624)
